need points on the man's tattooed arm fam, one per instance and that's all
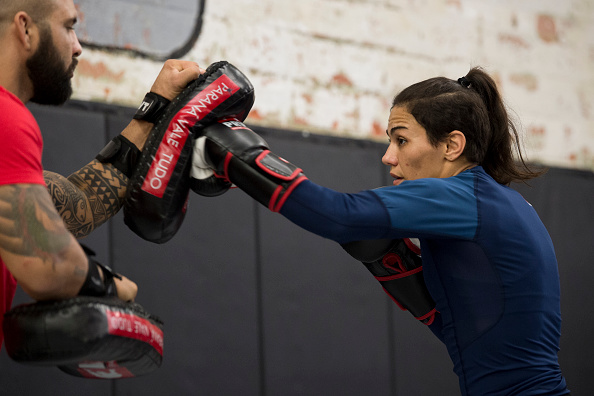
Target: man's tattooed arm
(93, 194)
(35, 246)
(88, 197)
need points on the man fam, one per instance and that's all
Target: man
(38, 248)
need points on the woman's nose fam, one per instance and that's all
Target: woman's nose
(389, 157)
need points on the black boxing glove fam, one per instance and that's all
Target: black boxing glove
(240, 156)
(397, 265)
(203, 180)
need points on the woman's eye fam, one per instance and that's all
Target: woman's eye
(401, 141)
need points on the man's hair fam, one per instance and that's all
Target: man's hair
(39, 10)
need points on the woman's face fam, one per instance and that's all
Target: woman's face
(410, 155)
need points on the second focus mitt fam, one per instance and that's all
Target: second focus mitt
(90, 337)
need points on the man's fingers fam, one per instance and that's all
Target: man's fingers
(175, 76)
(127, 289)
(190, 74)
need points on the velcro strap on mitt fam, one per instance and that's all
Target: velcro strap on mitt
(157, 197)
(90, 337)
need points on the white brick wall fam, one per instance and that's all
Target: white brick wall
(333, 66)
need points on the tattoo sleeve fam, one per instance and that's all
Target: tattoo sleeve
(29, 224)
(88, 197)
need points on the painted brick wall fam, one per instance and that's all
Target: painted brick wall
(333, 66)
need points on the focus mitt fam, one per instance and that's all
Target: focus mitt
(91, 337)
(157, 196)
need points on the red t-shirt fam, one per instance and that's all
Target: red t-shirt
(21, 146)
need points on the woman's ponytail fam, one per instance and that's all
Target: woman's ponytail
(499, 161)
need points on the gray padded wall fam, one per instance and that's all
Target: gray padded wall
(325, 320)
(253, 305)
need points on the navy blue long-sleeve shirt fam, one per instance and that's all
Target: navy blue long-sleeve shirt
(488, 262)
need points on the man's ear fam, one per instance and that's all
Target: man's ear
(25, 29)
(455, 144)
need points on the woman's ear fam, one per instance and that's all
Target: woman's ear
(455, 144)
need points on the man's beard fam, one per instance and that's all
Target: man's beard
(50, 77)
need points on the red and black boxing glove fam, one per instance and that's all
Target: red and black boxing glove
(397, 265)
(239, 155)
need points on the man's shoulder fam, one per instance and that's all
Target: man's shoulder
(14, 114)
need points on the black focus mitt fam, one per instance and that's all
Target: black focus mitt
(156, 200)
(90, 337)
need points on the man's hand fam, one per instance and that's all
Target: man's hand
(174, 77)
(127, 289)
(171, 81)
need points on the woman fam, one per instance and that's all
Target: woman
(488, 260)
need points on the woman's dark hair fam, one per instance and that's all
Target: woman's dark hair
(474, 107)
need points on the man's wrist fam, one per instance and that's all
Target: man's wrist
(121, 153)
(152, 107)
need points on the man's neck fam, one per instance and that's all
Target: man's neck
(13, 71)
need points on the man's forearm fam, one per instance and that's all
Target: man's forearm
(96, 192)
(88, 197)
